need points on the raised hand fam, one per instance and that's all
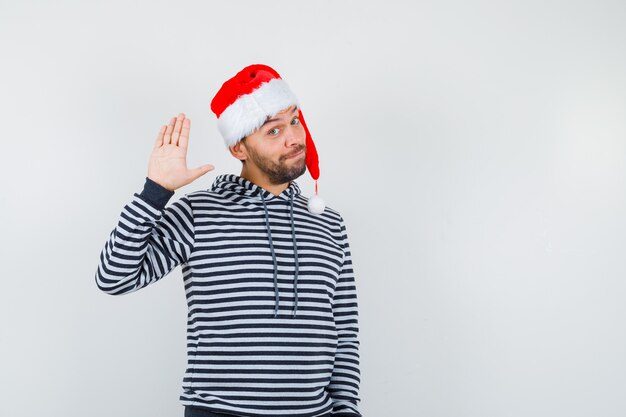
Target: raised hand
(168, 161)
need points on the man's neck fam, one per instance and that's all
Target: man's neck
(263, 182)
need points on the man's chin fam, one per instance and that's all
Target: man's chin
(297, 173)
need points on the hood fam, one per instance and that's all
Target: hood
(233, 183)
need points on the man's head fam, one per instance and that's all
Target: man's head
(243, 105)
(276, 150)
(245, 102)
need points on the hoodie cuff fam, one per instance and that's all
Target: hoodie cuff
(155, 194)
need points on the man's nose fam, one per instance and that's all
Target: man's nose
(295, 136)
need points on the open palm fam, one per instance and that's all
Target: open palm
(168, 161)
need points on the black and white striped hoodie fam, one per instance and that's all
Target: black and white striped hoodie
(272, 327)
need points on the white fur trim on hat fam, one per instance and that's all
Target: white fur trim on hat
(250, 111)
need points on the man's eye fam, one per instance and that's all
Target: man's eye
(270, 131)
(296, 118)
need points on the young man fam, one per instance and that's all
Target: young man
(272, 325)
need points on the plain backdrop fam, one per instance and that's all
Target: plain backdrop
(476, 150)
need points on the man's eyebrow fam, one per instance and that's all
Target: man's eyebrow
(274, 120)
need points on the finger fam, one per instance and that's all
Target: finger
(177, 128)
(167, 138)
(198, 172)
(159, 139)
(183, 140)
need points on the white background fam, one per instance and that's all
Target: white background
(476, 150)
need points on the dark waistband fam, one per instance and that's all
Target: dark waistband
(195, 411)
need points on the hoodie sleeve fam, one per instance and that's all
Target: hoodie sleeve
(345, 379)
(148, 242)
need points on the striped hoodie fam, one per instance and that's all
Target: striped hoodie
(272, 324)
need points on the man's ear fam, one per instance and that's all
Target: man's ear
(238, 150)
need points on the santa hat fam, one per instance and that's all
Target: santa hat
(245, 101)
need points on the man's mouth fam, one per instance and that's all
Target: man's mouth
(296, 154)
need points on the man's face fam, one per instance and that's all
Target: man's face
(278, 148)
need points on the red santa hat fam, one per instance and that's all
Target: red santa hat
(245, 101)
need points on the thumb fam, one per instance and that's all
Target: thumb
(200, 171)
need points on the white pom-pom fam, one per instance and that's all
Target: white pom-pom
(316, 204)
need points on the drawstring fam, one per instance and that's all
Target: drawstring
(295, 248)
(295, 251)
(269, 232)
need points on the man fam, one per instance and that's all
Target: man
(272, 325)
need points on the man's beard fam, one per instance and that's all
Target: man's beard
(279, 173)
